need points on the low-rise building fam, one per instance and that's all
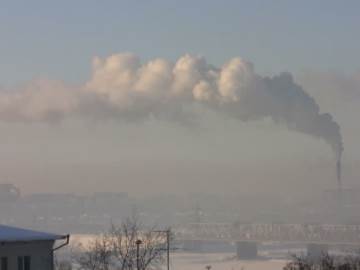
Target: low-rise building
(22, 249)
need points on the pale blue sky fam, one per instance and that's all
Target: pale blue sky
(58, 38)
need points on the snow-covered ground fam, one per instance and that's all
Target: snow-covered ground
(221, 261)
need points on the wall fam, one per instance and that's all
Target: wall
(40, 252)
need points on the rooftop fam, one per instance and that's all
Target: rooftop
(13, 234)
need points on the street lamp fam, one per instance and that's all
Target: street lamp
(138, 243)
(167, 232)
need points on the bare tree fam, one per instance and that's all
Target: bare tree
(120, 248)
(325, 262)
(63, 261)
(97, 255)
(152, 251)
(63, 265)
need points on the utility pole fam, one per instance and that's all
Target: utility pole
(168, 248)
(168, 234)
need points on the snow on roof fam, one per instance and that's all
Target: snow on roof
(13, 234)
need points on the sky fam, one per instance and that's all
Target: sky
(316, 41)
(59, 39)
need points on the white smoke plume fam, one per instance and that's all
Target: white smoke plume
(123, 87)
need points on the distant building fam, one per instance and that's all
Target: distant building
(22, 249)
(8, 193)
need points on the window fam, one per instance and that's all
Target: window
(4, 263)
(20, 263)
(24, 262)
(27, 263)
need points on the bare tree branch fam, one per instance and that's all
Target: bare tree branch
(118, 249)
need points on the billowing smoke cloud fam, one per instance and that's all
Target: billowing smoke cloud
(123, 87)
(40, 100)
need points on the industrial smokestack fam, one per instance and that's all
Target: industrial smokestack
(339, 179)
(338, 173)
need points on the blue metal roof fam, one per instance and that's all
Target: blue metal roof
(13, 234)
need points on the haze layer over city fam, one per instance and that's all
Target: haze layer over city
(179, 112)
